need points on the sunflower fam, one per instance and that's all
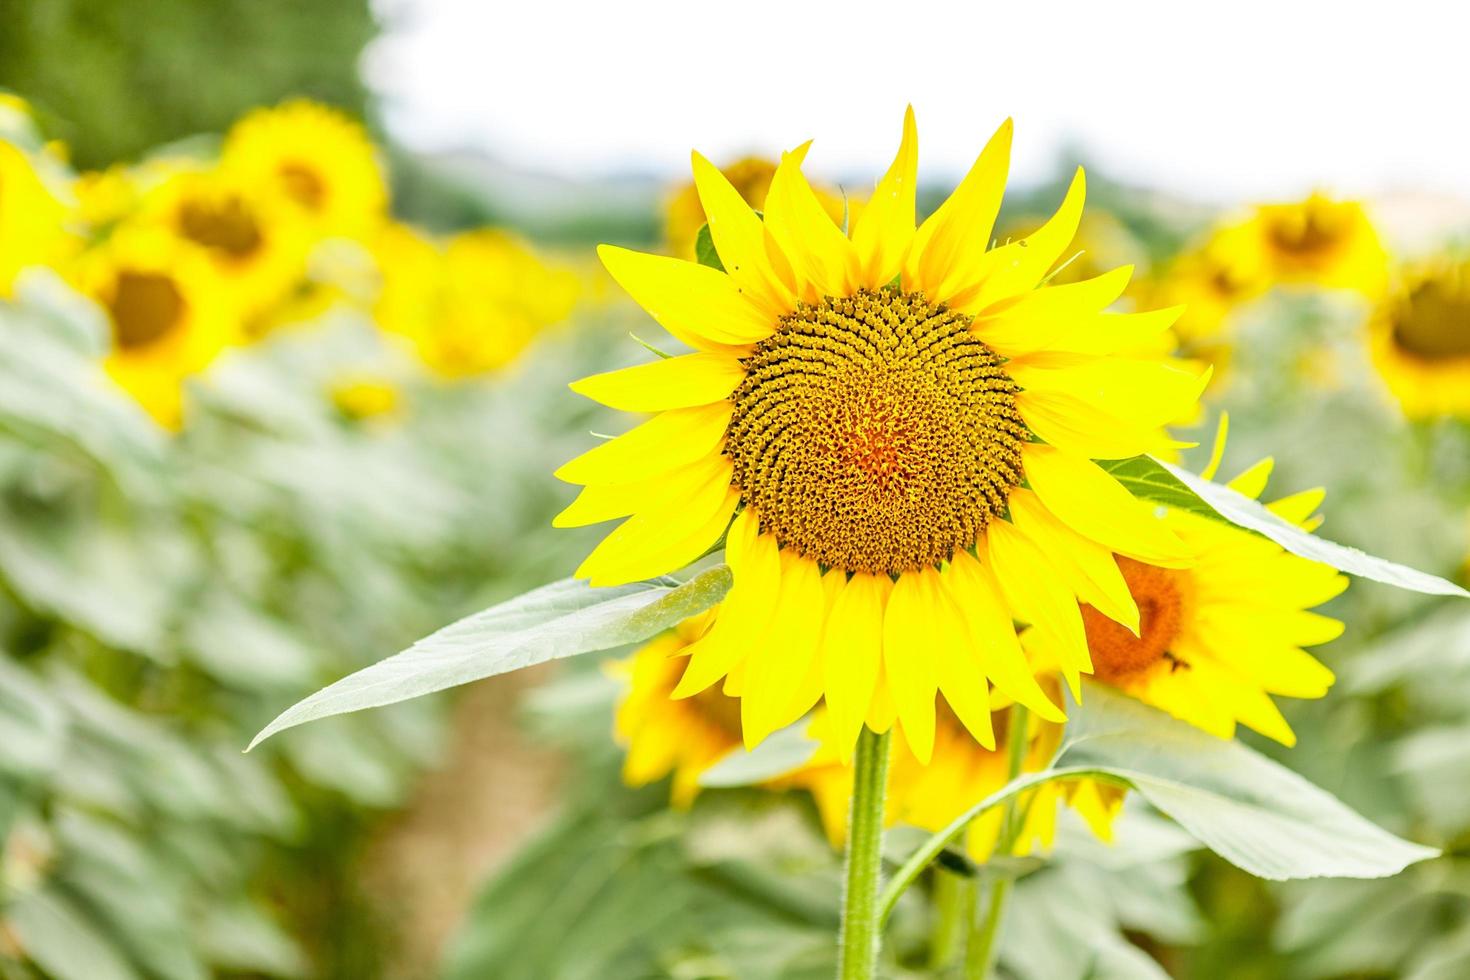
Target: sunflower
(894, 432)
(32, 218)
(167, 311)
(751, 177)
(1318, 242)
(684, 738)
(256, 244)
(315, 158)
(1218, 638)
(471, 306)
(1419, 339)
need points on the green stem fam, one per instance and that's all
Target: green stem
(981, 952)
(954, 907)
(861, 928)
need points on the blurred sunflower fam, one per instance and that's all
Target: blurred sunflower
(258, 246)
(751, 177)
(866, 408)
(1216, 639)
(1318, 242)
(1419, 339)
(167, 311)
(1210, 281)
(316, 158)
(361, 396)
(32, 218)
(472, 306)
(685, 738)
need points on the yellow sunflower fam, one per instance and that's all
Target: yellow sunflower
(961, 773)
(1419, 339)
(1217, 639)
(256, 244)
(166, 309)
(894, 432)
(473, 305)
(682, 739)
(1317, 242)
(32, 218)
(751, 177)
(317, 159)
(1211, 281)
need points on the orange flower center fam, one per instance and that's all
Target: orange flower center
(304, 185)
(1433, 321)
(226, 226)
(874, 433)
(1118, 655)
(145, 307)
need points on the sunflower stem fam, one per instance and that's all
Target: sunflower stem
(980, 954)
(954, 908)
(861, 932)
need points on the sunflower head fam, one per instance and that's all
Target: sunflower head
(1419, 338)
(892, 427)
(1217, 639)
(316, 160)
(257, 245)
(1320, 242)
(472, 305)
(166, 309)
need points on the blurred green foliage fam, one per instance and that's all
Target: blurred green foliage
(115, 79)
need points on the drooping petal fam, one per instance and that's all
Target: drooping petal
(910, 658)
(993, 636)
(1089, 568)
(780, 660)
(885, 227)
(852, 651)
(957, 234)
(672, 382)
(1095, 505)
(701, 306)
(1029, 582)
(1033, 321)
(745, 612)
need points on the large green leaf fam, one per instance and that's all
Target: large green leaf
(1253, 812)
(562, 619)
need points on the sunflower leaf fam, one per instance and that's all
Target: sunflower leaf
(563, 619)
(1242, 511)
(1253, 812)
(704, 249)
(1147, 479)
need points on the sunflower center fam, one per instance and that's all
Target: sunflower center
(719, 709)
(304, 185)
(225, 226)
(1313, 229)
(145, 307)
(1117, 654)
(1434, 322)
(873, 433)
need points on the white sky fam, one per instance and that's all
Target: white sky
(1221, 101)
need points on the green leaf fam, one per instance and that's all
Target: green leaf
(562, 619)
(782, 752)
(1252, 515)
(1255, 813)
(704, 249)
(1147, 479)
(54, 933)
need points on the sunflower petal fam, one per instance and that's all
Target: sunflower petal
(820, 254)
(673, 382)
(910, 660)
(740, 239)
(665, 441)
(957, 235)
(883, 230)
(702, 307)
(852, 652)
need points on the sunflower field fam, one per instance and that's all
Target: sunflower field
(414, 568)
